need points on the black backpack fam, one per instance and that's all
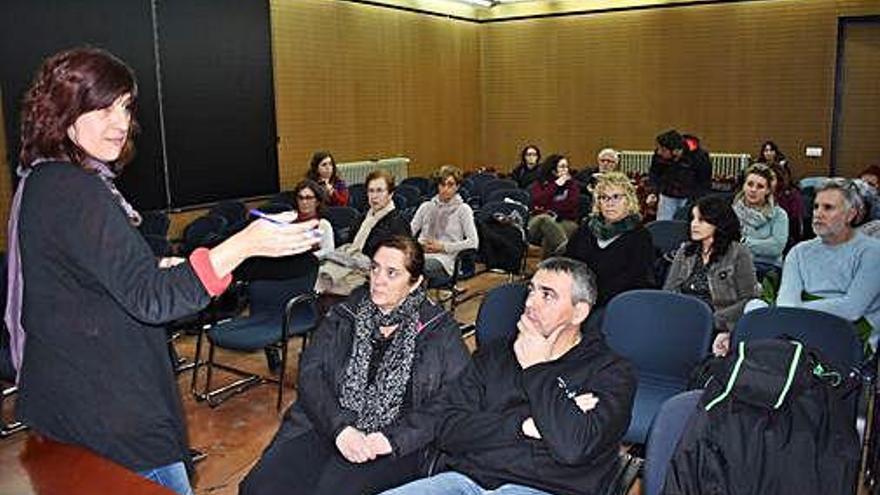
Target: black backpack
(502, 243)
(774, 418)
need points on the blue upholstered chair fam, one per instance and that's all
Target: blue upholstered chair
(667, 430)
(665, 336)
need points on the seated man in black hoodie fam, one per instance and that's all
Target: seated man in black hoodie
(678, 172)
(543, 412)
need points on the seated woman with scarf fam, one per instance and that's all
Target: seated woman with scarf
(444, 225)
(613, 242)
(764, 224)
(346, 267)
(362, 422)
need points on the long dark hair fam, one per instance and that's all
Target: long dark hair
(317, 158)
(319, 192)
(522, 154)
(716, 210)
(67, 85)
(548, 168)
(780, 156)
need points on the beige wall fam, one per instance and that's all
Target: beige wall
(369, 82)
(366, 81)
(734, 74)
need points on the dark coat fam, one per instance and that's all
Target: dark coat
(482, 416)
(440, 355)
(96, 371)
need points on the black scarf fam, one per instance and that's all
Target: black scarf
(378, 404)
(605, 231)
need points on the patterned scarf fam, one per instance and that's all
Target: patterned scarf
(14, 275)
(754, 218)
(378, 404)
(605, 231)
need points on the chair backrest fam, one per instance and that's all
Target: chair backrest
(496, 185)
(341, 218)
(475, 183)
(268, 297)
(833, 336)
(668, 427)
(499, 312)
(357, 196)
(207, 230)
(518, 195)
(412, 194)
(400, 201)
(668, 235)
(234, 212)
(423, 184)
(661, 333)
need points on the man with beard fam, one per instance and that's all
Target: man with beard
(837, 272)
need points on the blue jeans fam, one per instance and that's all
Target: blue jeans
(452, 483)
(667, 206)
(172, 476)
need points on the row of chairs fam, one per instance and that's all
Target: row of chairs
(666, 336)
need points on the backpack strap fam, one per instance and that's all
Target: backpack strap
(732, 379)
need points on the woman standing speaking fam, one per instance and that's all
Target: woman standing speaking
(87, 298)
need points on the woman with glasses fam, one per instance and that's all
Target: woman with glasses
(346, 267)
(361, 423)
(444, 225)
(555, 203)
(764, 224)
(715, 267)
(310, 204)
(613, 242)
(322, 169)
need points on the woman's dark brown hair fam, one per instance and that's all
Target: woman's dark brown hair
(317, 158)
(319, 192)
(67, 85)
(412, 251)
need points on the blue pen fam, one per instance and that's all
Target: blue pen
(259, 214)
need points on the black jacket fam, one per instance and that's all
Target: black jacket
(688, 177)
(96, 371)
(481, 430)
(524, 176)
(440, 357)
(391, 224)
(625, 264)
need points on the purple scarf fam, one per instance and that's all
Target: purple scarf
(14, 276)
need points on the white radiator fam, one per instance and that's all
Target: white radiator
(356, 172)
(724, 165)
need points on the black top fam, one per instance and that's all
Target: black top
(688, 177)
(625, 264)
(697, 284)
(483, 412)
(391, 224)
(96, 371)
(524, 176)
(440, 355)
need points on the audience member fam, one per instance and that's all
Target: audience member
(346, 267)
(361, 423)
(86, 291)
(607, 161)
(788, 197)
(871, 175)
(528, 170)
(715, 267)
(555, 203)
(311, 201)
(542, 413)
(771, 155)
(678, 174)
(322, 169)
(764, 224)
(838, 271)
(444, 225)
(613, 242)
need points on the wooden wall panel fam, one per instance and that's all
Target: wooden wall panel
(734, 74)
(368, 82)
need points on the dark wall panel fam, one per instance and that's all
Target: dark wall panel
(216, 64)
(31, 30)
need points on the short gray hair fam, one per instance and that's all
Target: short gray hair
(583, 281)
(848, 190)
(609, 152)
